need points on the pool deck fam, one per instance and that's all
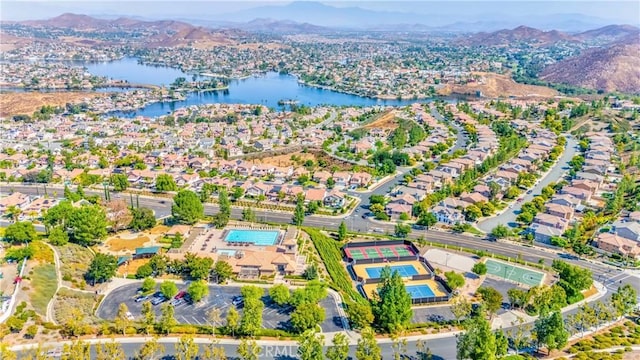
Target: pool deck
(361, 269)
(436, 287)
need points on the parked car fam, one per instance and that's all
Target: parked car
(130, 316)
(158, 300)
(180, 295)
(237, 300)
(142, 298)
(176, 302)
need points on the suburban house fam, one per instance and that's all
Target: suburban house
(551, 220)
(615, 244)
(16, 199)
(334, 199)
(544, 233)
(562, 211)
(446, 215)
(628, 230)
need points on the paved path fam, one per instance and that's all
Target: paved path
(557, 171)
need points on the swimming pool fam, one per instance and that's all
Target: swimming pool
(419, 291)
(403, 270)
(256, 237)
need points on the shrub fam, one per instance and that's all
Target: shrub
(479, 268)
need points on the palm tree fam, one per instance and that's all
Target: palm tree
(14, 212)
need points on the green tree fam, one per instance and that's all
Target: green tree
(119, 182)
(307, 316)
(427, 219)
(339, 349)
(150, 350)
(479, 268)
(491, 298)
(232, 321)
(298, 212)
(517, 297)
(76, 350)
(213, 352)
(58, 237)
(186, 348)
(454, 279)
(222, 270)
(500, 232)
(20, 232)
(143, 219)
(624, 300)
(122, 320)
(148, 316)
(461, 308)
(165, 182)
(310, 272)
(392, 305)
(167, 319)
(110, 351)
(187, 207)
(198, 290)
(310, 346)
(502, 343)
(472, 213)
(251, 320)
(198, 268)
(342, 231)
(360, 315)
(280, 294)
(169, 289)
(248, 215)
(550, 331)
(102, 268)
(224, 203)
(248, 350)
(402, 230)
(478, 342)
(59, 215)
(88, 225)
(367, 347)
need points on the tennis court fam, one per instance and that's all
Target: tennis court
(406, 269)
(378, 252)
(514, 273)
(419, 291)
(403, 270)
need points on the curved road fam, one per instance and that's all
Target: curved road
(509, 216)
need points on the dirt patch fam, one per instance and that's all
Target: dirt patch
(285, 159)
(159, 230)
(496, 85)
(131, 266)
(118, 244)
(28, 102)
(70, 305)
(588, 293)
(385, 121)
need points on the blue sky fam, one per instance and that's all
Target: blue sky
(625, 11)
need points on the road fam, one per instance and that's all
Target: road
(557, 171)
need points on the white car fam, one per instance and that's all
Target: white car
(130, 316)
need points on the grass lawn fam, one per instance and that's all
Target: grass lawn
(118, 244)
(43, 287)
(74, 304)
(74, 260)
(473, 230)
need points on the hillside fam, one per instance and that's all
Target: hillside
(614, 68)
(496, 85)
(610, 33)
(520, 34)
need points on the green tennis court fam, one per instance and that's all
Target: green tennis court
(356, 254)
(373, 253)
(387, 252)
(403, 251)
(514, 273)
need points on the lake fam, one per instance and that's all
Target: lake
(265, 89)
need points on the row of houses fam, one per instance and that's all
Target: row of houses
(572, 199)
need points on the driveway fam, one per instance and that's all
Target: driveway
(509, 216)
(273, 316)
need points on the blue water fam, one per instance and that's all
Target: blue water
(265, 89)
(419, 291)
(403, 270)
(257, 237)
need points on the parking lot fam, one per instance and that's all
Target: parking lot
(273, 316)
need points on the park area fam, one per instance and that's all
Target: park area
(379, 252)
(514, 273)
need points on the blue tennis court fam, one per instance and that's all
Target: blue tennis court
(419, 291)
(403, 270)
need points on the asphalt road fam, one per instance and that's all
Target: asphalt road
(274, 317)
(559, 169)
